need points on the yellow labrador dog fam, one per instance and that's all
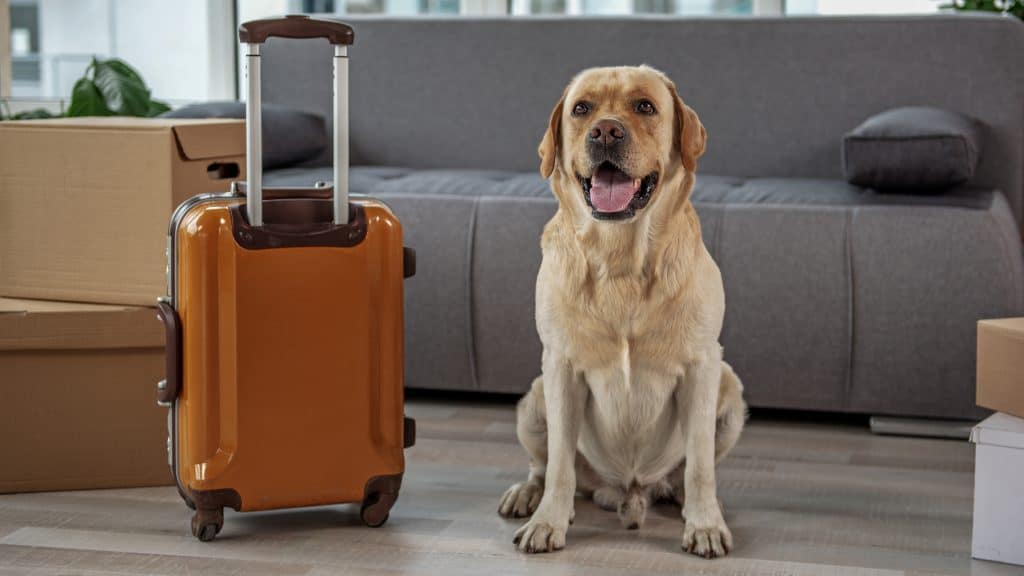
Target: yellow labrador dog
(634, 402)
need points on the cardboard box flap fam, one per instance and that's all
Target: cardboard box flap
(198, 138)
(116, 123)
(1000, 430)
(1000, 365)
(211, 139)
(43, 325)
(94, 123)
(1010, 327)
(91, 123)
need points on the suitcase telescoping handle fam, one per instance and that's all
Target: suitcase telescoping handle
(252, 34)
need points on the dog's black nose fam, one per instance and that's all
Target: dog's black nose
(607, 132)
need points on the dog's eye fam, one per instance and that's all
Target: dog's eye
(580, 109)
(645, 107)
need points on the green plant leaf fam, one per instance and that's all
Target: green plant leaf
(123, 90)
(87, 100)
(157, 108)
(123, 68)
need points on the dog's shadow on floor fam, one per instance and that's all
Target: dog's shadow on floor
(596, 526)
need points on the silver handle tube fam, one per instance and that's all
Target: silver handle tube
(340, 134)
(253, 138)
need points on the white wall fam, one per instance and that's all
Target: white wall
(183, 49)
(253, 10)
(70, 31)
(75, 26)
(171, 44)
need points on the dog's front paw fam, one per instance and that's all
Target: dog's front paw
(521, 499)
(540, 535)
(707, 535)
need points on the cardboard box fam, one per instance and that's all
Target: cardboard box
(1000, 379)
(78, 390)
(998, 490)
(85, 202)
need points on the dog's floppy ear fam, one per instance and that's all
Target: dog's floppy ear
(548, 149)
(692, 136)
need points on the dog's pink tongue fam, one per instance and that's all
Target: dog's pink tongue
(612, 191)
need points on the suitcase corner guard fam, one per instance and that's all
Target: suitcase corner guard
(379, 496)
(208, 518)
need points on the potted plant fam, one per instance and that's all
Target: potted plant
(1009, 7)
(108, 88)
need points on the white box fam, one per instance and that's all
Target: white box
(998, 489)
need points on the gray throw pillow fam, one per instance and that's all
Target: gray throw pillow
(913, 148)
(289, 136)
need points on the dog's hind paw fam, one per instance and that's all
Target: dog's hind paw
(608, 498)
(521, 499)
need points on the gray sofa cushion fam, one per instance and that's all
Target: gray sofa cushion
(289, 136)
(912, 149)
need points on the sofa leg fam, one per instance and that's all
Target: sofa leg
(927, 427)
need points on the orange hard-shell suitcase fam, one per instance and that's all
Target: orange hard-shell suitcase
(284, 332)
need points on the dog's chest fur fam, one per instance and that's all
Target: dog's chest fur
(624, 339)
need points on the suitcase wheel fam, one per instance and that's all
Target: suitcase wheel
(206, 524)
(376, 508)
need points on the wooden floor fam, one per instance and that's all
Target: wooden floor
(802, 498)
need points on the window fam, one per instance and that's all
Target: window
(862, 6)
(52, 42)
(25, 67)
(262, 8)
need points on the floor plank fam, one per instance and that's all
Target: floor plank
(802, 498)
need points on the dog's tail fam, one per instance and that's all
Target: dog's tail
(731, 414)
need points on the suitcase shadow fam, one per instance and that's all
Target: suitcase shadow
(293, 520)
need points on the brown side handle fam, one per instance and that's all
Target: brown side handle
(408, 262)
(167, 389)
(295, 26)
(409, 432)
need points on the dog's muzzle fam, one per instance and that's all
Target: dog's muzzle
(612, 194)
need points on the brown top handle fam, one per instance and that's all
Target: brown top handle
(295, 26)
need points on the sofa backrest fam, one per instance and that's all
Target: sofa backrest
(776, 94)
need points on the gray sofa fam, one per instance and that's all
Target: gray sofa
(838, 298)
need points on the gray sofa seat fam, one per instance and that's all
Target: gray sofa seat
(838, 298)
